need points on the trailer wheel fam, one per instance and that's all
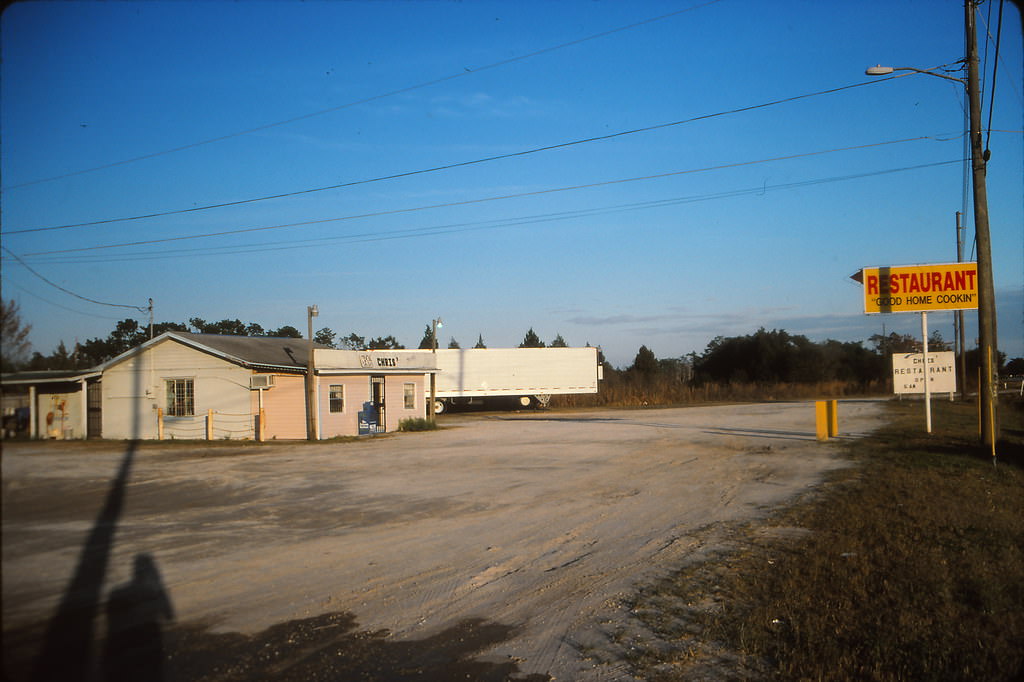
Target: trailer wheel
(439, 406)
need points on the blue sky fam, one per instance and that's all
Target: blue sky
(717, 225)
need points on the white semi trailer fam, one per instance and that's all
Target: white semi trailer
(530, 376)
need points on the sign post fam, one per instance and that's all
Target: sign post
(927, 389)
(920, 289)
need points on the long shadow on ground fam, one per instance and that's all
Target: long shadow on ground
(67, 645)
(143, 644)
(325, 648)
(330, 648)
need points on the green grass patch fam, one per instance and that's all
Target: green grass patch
(911, 567)
(417, 424)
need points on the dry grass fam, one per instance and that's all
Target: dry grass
(912, 569)
(665, 392)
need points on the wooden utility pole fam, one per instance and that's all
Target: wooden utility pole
(311, 416)
(433, 375)
(988, 396)
(958, 319)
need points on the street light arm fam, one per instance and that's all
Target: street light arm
(879, 70)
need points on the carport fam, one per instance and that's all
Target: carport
(63, 404)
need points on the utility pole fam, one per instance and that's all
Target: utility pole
(150, 319)
(988, 390)
(433, 375)
(958, 318)
(311, 416)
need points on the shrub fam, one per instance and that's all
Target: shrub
(417, 424)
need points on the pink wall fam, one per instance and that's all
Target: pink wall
(357, 391)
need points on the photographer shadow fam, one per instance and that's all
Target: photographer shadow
(136, 613)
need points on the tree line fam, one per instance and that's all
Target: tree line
(765, 364)
(764, 357)
(129, 333)
(776, 356)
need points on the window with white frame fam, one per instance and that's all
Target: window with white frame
(410, 396)
(336, 394)
(181, 401)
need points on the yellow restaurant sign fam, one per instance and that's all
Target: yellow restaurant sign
(920, 288)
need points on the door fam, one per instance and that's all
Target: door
(371, 419)
(94, 410)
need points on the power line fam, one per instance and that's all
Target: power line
(1011, 82)
(68, 291)
(465, 72)
(409, 233)
(995, 71)
(57, 305)
(460, 164)
(467, 202)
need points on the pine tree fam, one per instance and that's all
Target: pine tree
(426, 343)
(15, 336)
(531, 340)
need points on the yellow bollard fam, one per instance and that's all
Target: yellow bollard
(980, 428)
(991, 412)
(821, 419)
(209, 425)
(159, 423)
(833, 418)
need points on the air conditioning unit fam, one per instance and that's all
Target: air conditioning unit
(259, 381)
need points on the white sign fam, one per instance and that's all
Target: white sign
(908, 372)
(334, 361)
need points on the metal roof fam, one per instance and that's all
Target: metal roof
(48, 376)
(255, 351)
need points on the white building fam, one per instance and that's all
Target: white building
(208, 386)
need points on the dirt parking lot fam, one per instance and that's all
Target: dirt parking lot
(502, 546)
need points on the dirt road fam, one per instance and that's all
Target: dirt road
(501, 546)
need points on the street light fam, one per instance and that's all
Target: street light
(987, 339)
(433, 333)
(433, 375)
(879, 70)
